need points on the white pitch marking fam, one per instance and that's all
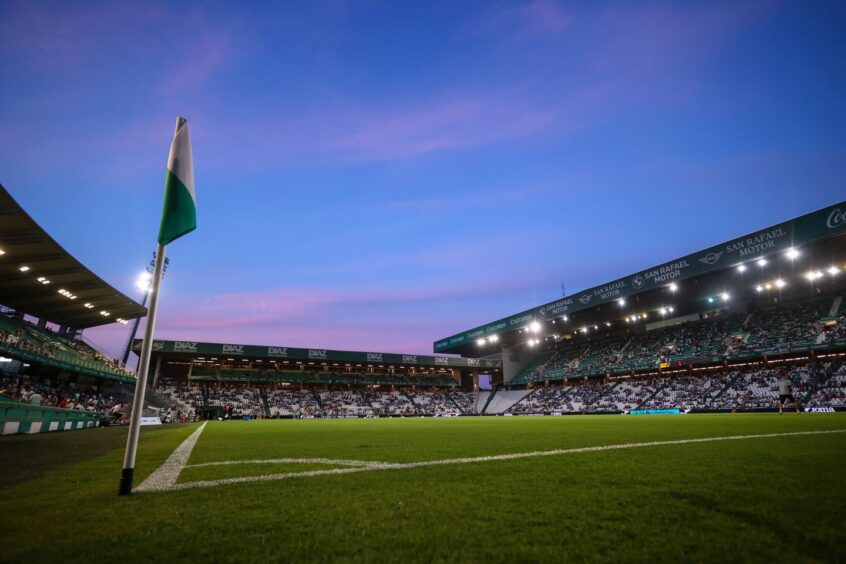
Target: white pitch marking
(165, 476)
(496, 457)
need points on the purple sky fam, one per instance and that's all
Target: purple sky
(378, 175)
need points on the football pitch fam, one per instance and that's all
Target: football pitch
(692, 487)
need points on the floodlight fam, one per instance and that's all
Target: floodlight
(792, 253)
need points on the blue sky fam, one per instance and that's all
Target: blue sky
(378, 175)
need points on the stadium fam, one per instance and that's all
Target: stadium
(319, 364)
(709, 335)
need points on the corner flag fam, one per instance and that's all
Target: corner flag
(179, 212)
(179, 216)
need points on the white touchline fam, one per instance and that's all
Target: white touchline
(355, 466)
(166, 475)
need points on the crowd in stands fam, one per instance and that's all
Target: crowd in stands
(64, 395)
(750, 389)
(23, 336)
(798, 326)
(832, 392)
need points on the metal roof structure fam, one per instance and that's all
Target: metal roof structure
(40, 278)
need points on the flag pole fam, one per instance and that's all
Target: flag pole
(141, 381)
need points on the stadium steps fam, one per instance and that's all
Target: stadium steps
(480, 402)
(624, 347)
(516, 403)
(488, 402)
(503, 400)
(820, 381)
(655, 393)
(455, 403)
(725, 388)
(835, 307)
(413, 403)
(603, 394)
(263, 396)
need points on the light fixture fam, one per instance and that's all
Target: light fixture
(673, 287)
(493, 338)
(833, 270)
(45, 281)
(143, 282)
(710, 300)
(564, 318)
(104, 313)
(762, 262)
(813, 275)
(759, 288)
(780, 283)
(88, 305)
(663, 311)
(792, 253)
(480, 342)
(741, 268)
(724, 296)
(622, 302)
(768, 286)
(670, 309)
(535, 327)
(23, 268)
(41, 279)
(2, 252)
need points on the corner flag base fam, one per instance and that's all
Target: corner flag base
(126, 481)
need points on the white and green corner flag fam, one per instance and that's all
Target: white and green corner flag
(179, 213)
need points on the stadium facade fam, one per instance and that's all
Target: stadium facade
(786, 262)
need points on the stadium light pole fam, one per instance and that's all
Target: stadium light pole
(146, 289)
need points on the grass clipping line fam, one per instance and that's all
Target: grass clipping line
(165, 477)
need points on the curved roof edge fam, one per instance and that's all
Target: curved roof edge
(34, 268)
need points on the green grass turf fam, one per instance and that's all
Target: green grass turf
(763, 499)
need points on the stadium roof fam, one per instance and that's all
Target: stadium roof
(819, 232)
(230, 351)
(40, 278)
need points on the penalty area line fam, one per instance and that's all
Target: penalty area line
(163, 485)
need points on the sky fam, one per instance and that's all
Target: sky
(380, 175)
